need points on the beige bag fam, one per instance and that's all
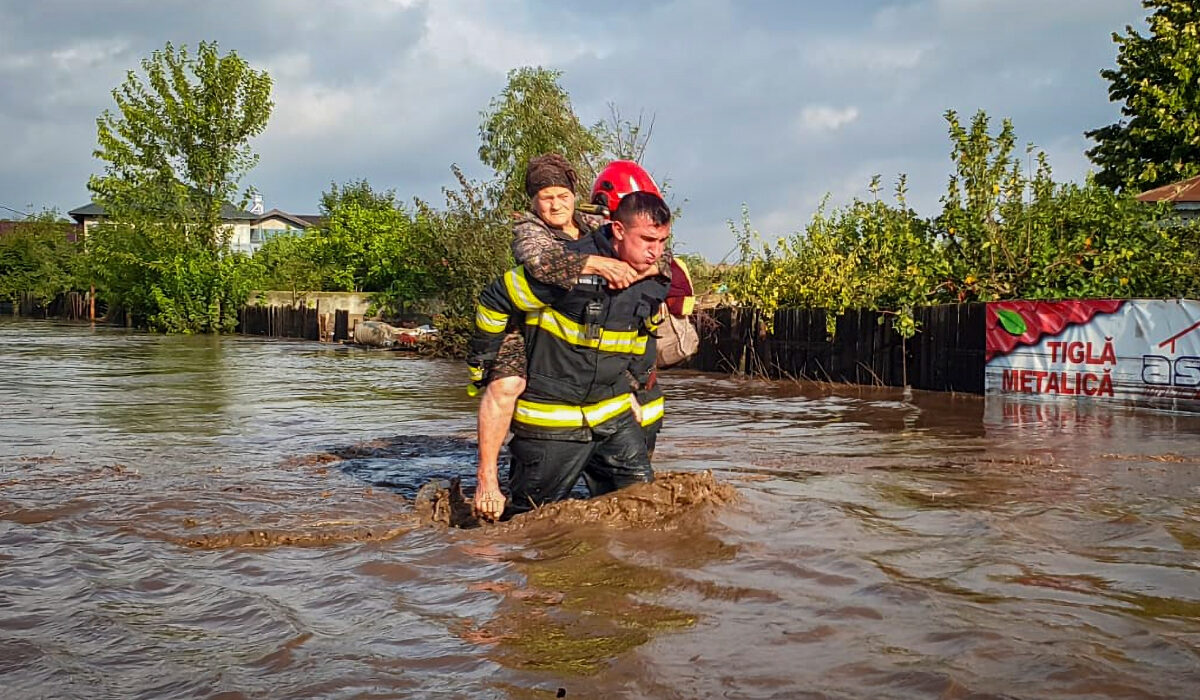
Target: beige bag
(677, 340)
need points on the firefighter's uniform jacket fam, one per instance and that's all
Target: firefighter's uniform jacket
(587, 348)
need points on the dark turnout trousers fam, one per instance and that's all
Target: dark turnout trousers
(544, 470)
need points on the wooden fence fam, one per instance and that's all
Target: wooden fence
(293, 322)
(73, 306)
(276, 321)
(946, 354)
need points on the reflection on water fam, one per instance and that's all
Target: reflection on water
(579, 607)
(184, 517)
(184, 384)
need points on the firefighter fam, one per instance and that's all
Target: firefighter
(540, 243)
(620, 178)
(586, 350)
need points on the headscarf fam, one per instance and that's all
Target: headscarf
(549, 170)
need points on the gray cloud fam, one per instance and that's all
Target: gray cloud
(774, 104)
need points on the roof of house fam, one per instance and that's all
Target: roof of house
(1178, 192)
(301, 221)
(228, 212)
(89, 209)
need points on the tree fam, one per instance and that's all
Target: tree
(175, 151)
(1158, 81)
(622, 138)
(40, 258)
(287, 264)
(531, 116)
(370, 243)
(180, 143)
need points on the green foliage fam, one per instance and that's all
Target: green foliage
(428, 260)
(286, 264)
(531, 116)
(1002, 234)
(470, 243)
(367, 243)
(179, 143)
(39, 258)
(621, 138)
(1016, 235)
(175, 152)
(169, 280)
(868, 255)
(1157, 80)
(702, 272)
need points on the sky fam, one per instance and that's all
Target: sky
(773, 105)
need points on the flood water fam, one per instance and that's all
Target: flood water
(233, 517)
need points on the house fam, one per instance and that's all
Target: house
(248, 229)
(247, 239)
(1183, 195)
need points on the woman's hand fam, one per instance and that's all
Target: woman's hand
(617, 273)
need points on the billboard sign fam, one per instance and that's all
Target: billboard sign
(1143, 352)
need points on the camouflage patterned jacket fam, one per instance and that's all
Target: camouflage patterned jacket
(542, 250)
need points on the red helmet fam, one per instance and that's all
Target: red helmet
(618, 179)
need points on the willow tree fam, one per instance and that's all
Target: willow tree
(531, 116)
(175, 150)
(1157, 80)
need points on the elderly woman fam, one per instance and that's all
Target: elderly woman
(539, 236)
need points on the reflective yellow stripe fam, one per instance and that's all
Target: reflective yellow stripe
(552, 415)
(652, 412)
(476, 376)
(490, 320)
(563, 328)
(519, 291)
(597, 413)
(634, 346)
(689, 302)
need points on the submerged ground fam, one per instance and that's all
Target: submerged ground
(236, 517)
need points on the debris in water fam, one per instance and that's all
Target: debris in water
(318, 535)
(670, 496)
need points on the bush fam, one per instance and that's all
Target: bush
(169, 280)
(39, 257)
(1002, 234)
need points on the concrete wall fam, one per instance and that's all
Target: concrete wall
(354, 302)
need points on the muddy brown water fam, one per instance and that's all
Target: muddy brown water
(234, 517)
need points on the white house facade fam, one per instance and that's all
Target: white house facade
(248, 229)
